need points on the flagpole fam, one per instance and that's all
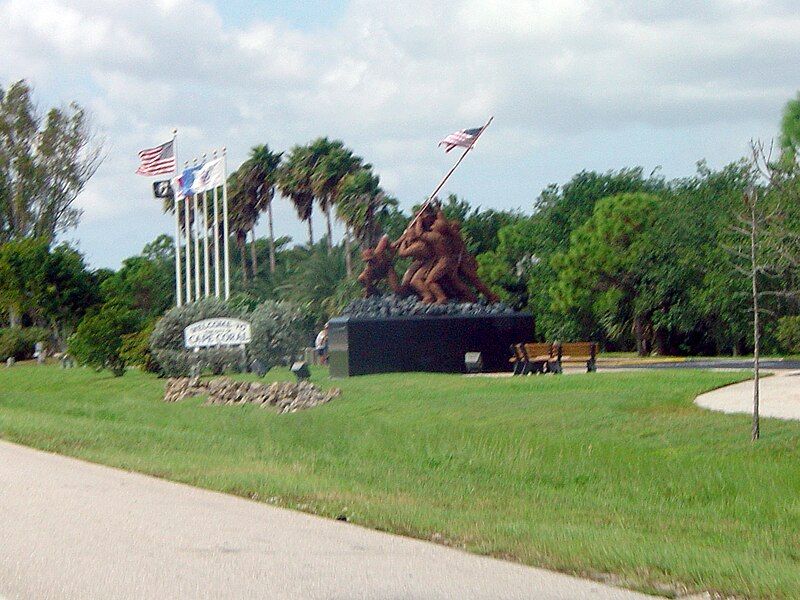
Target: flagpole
(176, 209)
(196, 234)
(188, 231)
(216, 238)
(225, 227)
(449, 173)
(206, 274)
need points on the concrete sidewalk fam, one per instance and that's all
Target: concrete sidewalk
(779, 397)
(71, 529)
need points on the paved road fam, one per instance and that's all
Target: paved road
(779, 397)
(70, 529)
(724, 363)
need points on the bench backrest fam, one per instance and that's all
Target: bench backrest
(539, 349)
(578, 349)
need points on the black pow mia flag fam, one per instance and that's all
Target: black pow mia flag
(162, 189)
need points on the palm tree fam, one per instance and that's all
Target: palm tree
(360, 203)
(332, 162)
(294, 182)
(243, 214)
(328, 174)
(259, 176)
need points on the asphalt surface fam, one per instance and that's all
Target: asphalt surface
(71, 529)
(768, 365)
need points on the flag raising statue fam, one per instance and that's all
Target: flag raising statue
(157, 161)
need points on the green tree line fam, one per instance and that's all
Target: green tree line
(634, 261)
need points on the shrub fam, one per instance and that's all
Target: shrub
(98, 340)
(135, 349)
(279, 330)
(20, 342)
(788, 334)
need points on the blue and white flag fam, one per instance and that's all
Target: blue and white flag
(183, 183)
(209, 176)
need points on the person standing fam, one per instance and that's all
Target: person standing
(321, 345)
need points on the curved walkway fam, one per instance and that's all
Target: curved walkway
(779, 397)
(71, 529)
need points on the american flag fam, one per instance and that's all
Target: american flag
(464, 138)
(157, 161)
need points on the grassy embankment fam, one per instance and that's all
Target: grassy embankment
(615, 473)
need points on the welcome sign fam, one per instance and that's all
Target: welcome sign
(220, 331)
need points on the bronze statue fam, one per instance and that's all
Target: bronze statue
(379, 265)
(442, 268)
(468, 266)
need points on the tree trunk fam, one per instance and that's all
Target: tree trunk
(13, 317)
(348, 258)
(638, 332)
(310, 233)
(755, 433)
(661, 342)
(329, 222)
(241, 242)
(271, 238)
(253, 253)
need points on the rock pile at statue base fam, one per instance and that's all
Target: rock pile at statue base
(390, 305)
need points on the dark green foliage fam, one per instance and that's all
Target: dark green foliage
(561, 210)
(145, 282)
(135, 349)
(43, 286)
(311, 277)
(602, 274)
(688, 297)
(20, 342)
(788, 334)
(790, 129)
(98, 341)
(362, 205)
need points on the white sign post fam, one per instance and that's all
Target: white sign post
(220, 331)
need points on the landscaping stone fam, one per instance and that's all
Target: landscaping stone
(285, 396)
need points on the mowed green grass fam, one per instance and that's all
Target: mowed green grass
(611, 473)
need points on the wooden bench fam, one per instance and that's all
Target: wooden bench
(576, 352)
(541, 356)
(518, 359)
(532, 358)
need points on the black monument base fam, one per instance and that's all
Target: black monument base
(363, 345)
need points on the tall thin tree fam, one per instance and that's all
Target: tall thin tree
(294, 182)
(259, 177)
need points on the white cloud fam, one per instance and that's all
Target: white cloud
(391, 78)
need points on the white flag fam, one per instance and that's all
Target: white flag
(209, 176)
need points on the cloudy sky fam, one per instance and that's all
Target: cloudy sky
(573, 84)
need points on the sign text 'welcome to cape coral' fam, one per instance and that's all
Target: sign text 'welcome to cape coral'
(220, 331)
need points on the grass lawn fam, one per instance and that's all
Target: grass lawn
(611, 473)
